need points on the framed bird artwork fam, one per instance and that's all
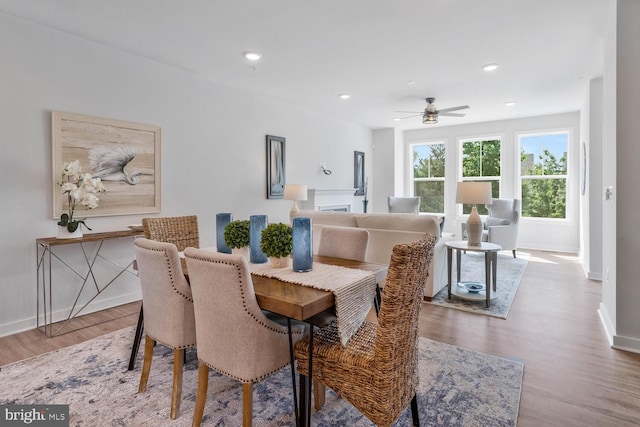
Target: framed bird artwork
(124, 155)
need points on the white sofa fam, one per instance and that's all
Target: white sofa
(385, 231)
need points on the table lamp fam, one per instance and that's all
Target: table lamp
(474, 192)
(295, 192)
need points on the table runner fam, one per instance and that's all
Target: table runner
(353, 290)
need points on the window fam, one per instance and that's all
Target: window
(481, 162)
(543, 174)
(427, 179)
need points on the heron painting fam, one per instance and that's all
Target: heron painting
(124, 155)
(109, 164)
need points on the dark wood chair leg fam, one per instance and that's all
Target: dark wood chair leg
(414, 411)
(136, 341)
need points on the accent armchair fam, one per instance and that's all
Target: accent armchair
(404, 204)
(501, 226)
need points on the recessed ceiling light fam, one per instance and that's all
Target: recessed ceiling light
(252, 56)
(490, 67)
(396, 119)
(410, 82)
(344, 96)
(510, 104)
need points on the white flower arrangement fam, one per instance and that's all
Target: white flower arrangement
(80, 189)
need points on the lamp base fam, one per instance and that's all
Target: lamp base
(474, 228)
(294, 210)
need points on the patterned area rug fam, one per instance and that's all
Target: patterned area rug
(509, 273)
(457, 388)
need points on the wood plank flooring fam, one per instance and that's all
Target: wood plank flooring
(572, 377)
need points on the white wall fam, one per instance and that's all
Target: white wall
(556, 235)
(621, 170)
(213, 149)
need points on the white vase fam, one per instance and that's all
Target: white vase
(244, 251)
(280, 262)
(63, 233)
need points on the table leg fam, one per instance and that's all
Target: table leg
(458, 265)
(449, 256)
(495, 270)
(487, 276)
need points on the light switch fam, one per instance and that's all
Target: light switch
(608, 193)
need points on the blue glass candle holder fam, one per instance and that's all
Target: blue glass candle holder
(257, 223)
(302, 244)
(222, 219)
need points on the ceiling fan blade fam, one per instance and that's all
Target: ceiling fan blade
(446, 110)
(411, 112)
(408, 117)
(451, 114)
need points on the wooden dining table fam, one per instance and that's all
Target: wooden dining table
(298, 302)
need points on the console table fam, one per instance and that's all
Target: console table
(45, 249)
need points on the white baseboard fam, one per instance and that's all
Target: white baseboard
(616, 341)
(606, 323)
(30, 323)
(590, 274)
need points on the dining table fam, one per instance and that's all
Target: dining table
(298, 302)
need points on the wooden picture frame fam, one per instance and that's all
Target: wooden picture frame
(358, 172)
(276, 172)
(131, 150)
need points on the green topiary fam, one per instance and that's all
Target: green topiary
(277, 240)
(236, 233)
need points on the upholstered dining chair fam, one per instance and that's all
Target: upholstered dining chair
(403, 204)
(501, 225)
(168, 310)
(182, 231)
(377, 371)
(234, 337)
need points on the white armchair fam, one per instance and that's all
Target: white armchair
(404, 204)
(501, 226)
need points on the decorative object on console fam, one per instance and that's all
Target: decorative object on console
(236, 236)
(474, 192)
(275, 167)
(295, 192)
(302, 244)
(257, 223)
(276, 243)
(80, 189)
(358, 173)
(124, 155)
(222, 220)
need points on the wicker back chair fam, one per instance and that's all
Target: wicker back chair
(168, 310)
(234, 336)
(377, 371)
(182, 231)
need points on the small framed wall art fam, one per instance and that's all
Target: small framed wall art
(275, 167)
(358, 172)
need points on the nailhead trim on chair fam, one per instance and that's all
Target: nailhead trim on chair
(171, 274)
(260, 322)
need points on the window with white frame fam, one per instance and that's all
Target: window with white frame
(480, 161)
(543, 174)
(427, 177)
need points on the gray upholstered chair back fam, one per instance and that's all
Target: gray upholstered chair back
(344, 242)
(404, 204)
(234, 336)
(508, 209)
(166, 295)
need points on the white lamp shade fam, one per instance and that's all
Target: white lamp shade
(295, 192)
(473, 192)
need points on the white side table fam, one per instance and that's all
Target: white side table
(490, 251)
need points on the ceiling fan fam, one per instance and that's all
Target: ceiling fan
(431, 113)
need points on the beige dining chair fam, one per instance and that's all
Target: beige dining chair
(234, 337)
(182, 231)
(377, 371)
(338, 242)
(168, 310)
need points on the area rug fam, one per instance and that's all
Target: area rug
(457, 388)
(509, 273)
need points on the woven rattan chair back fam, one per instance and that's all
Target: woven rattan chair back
(182, 231)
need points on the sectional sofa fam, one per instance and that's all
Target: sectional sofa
(385, 231)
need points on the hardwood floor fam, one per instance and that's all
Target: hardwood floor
(572, 377)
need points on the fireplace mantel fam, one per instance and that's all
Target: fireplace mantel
(328, 199)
